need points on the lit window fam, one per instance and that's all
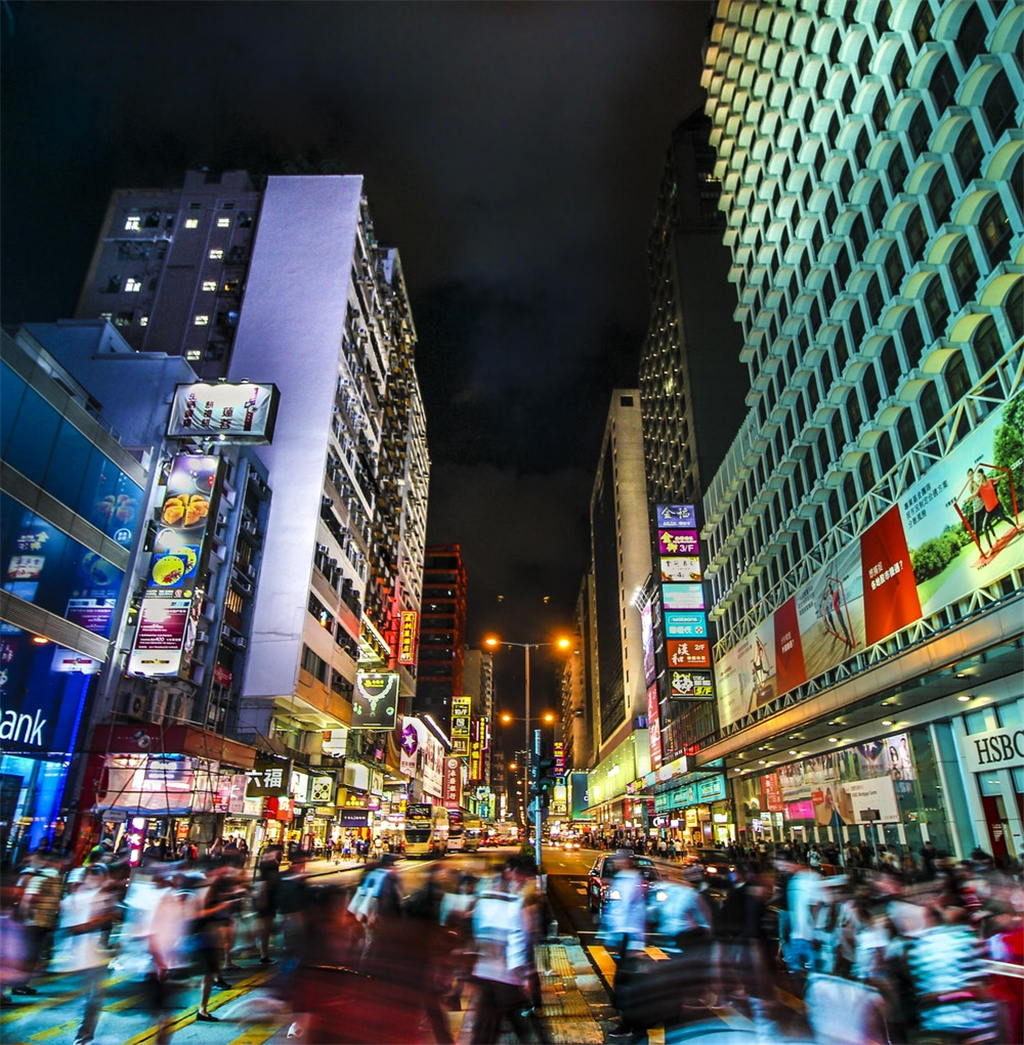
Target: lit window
(216, 254)
(202, 321)
(191, 223)
(132, 284)
(143, 321)
(209, 284)
(193, 354)
(133, 223)
(106, 315)
(223, 223)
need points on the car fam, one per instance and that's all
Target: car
(711, 865)
(600, 876)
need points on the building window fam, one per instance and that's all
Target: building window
(968, 154)
(880, 110)
(900, 70)
(892, 368)
(143, 321)
(194, 354)
(906, 431)
(894, 271)
(936, 304)
(987, 344)
(1000, 105)
(216, 254)
(943, 85)
(133, 284)
(958, 380)
(931, 406)
(201, 321)
(995, 230)
(123, 319)
(913, 339)
(964, 271)
(872, 393)
(191, 223)
(133, 223)
(917, 235)
(969, 41)
(886, 457)
(940, 196)
(919, 130)
(897, 169)
(223, 223)
(209, 284)
(923, 21)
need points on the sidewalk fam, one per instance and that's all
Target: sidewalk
(573, 994)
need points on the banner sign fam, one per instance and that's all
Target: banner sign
(270, 778)
(407, 634)
(375, 700)
(461, 708)
(452, 794)
(231, 412)
(955, 529)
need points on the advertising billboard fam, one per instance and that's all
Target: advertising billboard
(375, 700)
(955, 529)
(168, 617)
(237, 412)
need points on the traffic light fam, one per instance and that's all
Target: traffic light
(542, 770)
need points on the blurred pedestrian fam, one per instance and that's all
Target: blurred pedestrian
(624, 928)
(265, 899)
(41, 888)
(210, 926)
(501, 939)
(87, 912)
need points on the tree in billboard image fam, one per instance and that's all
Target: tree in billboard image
(963, 515)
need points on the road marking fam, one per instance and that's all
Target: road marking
(258, 1033)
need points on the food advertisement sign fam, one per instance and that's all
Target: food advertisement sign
(676, 516)
(228, 411)
(677, 542)
(170, 608)
(461, 707)
(692, 685)
(689, 653)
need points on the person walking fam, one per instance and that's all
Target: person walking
(86, 914)
(624, 927)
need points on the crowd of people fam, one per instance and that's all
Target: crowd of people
(358, 961)
(874, 956)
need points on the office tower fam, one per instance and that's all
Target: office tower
(621, 558)
(441, 673)
(324, 316)
(692, 384)
(864, 532)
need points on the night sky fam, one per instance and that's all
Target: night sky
(512, 153)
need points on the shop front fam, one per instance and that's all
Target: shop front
(165, 790)
(696, 812)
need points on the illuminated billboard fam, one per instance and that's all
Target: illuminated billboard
(243, 412)
(461, 726)
(375, 700)
(168, 617)
(407, 634)
(955, 529)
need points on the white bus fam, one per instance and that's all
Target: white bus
(456, 831)
(426, 829)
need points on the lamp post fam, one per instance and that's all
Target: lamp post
(562, 643)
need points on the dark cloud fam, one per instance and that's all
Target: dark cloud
(512, 152)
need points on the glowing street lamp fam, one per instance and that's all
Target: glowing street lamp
(562, 643)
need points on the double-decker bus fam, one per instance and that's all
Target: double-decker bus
(426, 829)
(456, 831)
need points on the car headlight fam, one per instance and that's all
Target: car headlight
(661, 896)
(613, 894)
(711, 869)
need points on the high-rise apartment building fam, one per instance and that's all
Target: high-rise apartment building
(288, 282)
(441, 674)
(864, 533)
(621, 558)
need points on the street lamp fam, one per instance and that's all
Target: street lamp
(563, 643)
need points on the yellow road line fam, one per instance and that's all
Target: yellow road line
(188, 1016)
(656, 953)
(258, 1033)
(605, 962)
